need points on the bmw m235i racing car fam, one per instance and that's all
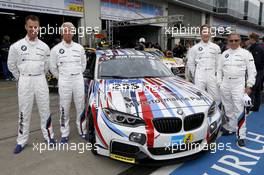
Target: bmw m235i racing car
(138, 110)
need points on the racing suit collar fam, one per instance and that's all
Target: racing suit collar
(205, 44)
(66, 44)
(31, 42)
(234, 50)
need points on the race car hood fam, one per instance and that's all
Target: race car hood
(149, 94)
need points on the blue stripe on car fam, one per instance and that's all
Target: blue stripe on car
(112, 127)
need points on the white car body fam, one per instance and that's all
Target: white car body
(175, 114)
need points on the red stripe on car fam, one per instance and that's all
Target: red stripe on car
(148, 116)
(97, 127)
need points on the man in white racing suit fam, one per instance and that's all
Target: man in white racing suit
(202, 63)
(28, 62)
(235, 77)
(67, 64)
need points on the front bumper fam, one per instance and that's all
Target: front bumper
(123, 149)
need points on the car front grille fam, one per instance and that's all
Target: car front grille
(193, 121)
(168, 125)
(174, 125)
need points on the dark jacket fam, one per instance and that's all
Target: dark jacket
(4, 47)
(258, 54)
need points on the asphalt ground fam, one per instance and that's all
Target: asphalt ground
(32, 160)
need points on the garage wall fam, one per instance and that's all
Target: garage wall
(91, 18)
(191, 17)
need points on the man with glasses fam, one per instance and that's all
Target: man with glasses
(202, 63)
(235, 63)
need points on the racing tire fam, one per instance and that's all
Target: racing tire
(91, 132)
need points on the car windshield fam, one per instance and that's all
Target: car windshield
(135, 67)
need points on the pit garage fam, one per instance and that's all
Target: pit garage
(129, 36)
(13, 22)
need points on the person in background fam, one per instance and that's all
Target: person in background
(187, 73)
(247, 44)
(141, 44)
(4, 47)
(262, 43)
(258, 54)
(178, 50)
(157, 46)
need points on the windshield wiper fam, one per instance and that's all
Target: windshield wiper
(114, 76)
(152, 76)
(131, 77)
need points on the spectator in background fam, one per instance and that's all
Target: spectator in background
(188, 76)
(141, 44)
(4, 47)
(262, 44)
(247, 44)
(258, 54)
(220, 44)
(178, 51)
(189, 45)
(157, 46)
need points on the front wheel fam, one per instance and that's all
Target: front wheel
(91, 132)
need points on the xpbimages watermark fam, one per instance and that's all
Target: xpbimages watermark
(181, 146)
(59, 30)
(77, 147)
(194, 30)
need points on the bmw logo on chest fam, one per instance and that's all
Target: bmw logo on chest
(200, 48)
(23, 48)
(227, 55)
(61, 51)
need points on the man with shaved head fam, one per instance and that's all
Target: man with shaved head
(28, 60)
(67, 64)
(202, 63)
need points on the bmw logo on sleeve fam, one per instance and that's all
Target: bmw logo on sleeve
(227, 55)
(61, 51)
(200, 48)
(24, 48)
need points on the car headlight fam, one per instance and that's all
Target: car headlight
(212, 109)
(123, 118)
